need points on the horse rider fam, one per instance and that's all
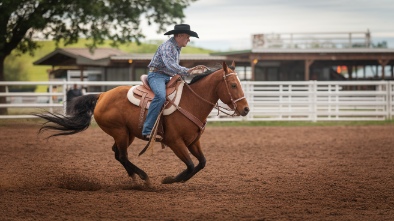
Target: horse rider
(164, 65)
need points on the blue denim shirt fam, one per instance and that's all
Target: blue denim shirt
(166, 59)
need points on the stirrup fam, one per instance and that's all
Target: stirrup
(158, 137)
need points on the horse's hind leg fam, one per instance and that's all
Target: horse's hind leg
(129, 171)
(120, 149)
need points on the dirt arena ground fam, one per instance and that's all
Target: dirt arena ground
(252, 173)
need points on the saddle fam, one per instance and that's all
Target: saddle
(144, 90)
(142, 96)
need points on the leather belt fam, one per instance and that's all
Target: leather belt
(153, 69)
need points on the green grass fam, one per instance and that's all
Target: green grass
(298, 123)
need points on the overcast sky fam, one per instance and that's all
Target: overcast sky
(229, 24)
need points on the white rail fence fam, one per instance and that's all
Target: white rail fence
(268, 101)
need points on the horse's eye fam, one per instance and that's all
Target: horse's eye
(233, 86)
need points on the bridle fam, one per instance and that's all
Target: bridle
(217, 106)
(197, 121)
(234, 102)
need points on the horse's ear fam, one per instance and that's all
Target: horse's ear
(232, 66)
(225, 68)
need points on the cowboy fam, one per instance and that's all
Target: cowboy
(164, 65)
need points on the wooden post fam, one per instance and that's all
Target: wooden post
(355, 72)
(350, 71)
(81, 76)
(308, 64)
(253, 63)
(132, 74)
(383, 64)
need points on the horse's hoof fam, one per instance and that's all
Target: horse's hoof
(148, 183)
(134, 178)
(168, 180)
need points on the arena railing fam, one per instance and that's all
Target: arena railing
(269, 101)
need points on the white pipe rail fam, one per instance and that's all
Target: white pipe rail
(268, 101)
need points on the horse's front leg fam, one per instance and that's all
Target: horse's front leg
(182, 153)
(195, 149)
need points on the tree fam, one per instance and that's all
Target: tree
(69, 20)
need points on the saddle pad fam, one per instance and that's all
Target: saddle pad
(175, 96)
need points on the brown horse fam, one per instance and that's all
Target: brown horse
(119, 118)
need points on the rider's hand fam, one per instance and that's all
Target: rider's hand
(199, 69)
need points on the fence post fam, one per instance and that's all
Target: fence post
(250, 98)
(329, 101)
(50, 99)
(7, 91)
(314, 101)
(280, 101)
(64, 95)
(389, 99)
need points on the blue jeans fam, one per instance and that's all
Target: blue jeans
(157, 83)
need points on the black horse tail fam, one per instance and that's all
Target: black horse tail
(81, 110)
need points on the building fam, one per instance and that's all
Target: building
(315, 56)
(273, 57)
(108, 64)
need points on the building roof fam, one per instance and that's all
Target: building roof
(78, 56)
(363, 56)
(305, 51)
(104, 56)
(148, 56)
(323, 50)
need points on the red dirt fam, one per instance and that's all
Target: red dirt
(252, 173)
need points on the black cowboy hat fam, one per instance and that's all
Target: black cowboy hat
(182, 28)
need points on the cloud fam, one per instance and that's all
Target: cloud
(236, 21)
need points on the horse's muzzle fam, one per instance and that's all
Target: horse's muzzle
(245, 111)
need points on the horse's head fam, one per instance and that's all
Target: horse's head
(230, 91)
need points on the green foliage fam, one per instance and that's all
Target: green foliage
(15, 68)
(382, 44)
(66, 21)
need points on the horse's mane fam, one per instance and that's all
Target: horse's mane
(203, 75)
(206, 73)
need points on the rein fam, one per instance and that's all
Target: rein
(217, 106)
